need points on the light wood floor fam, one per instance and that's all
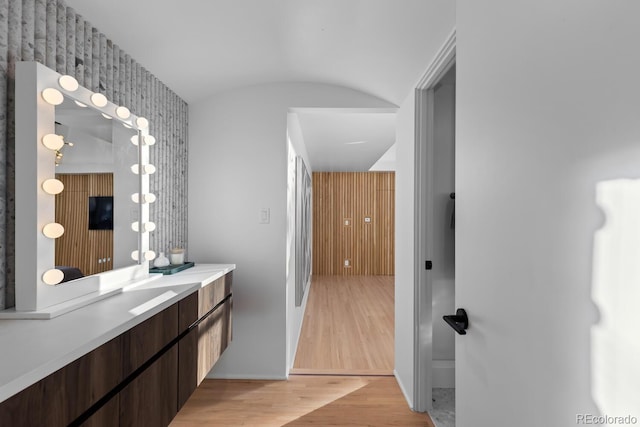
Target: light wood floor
(300, 401)
(348, 327)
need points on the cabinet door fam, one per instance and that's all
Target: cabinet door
(148, 338)
(150, 399)
(201, 348)
(63, 396)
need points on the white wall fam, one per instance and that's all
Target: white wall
(548, 97)
(405, 246)
(295, 314)
(237, 165)
(386, 162)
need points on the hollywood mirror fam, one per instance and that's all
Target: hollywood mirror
(82, 193)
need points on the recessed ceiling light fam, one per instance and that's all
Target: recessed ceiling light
(355, 142)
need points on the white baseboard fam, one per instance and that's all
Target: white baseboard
(246, 377)
(443, 373)
(408, 397)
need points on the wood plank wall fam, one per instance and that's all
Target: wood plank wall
(80, 247)
(49, 32)
(353, 196)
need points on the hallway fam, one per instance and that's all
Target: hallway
(348, 327)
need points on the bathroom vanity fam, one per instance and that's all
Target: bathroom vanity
(113, 345)
(132, 359)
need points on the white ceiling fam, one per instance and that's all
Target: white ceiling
(346, 142)
(201, 47)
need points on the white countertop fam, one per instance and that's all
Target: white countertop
(30, 350)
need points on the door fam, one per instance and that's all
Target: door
(547, 194)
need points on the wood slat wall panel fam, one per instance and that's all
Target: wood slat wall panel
(353, 196)
(80, 247)
(50, 32)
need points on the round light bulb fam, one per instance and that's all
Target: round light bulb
(69, 83)
(135, 227)
(142, 123)
(127, 126)
(52, 96)
(149, 139)
(52, 141)
(146, 198)
(134, 255)
(53, 230)
(53, 276)
(123, 112)
(149, 226)
(146, 169)
(99, 100)
(80, 104)
(52, 186)
(106, 116)
(134, 140)
(149, 255)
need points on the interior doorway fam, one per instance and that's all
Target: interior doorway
(348, 323)
(434, 262)
(442, 236)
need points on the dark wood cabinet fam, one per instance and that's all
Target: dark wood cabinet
(150, 399)
(142, 342)
(201, 348)
(205, 342)
(107, 416)
(63, 396)
(140, 378)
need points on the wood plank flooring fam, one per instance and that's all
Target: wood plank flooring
(348, 327)
(302, 400)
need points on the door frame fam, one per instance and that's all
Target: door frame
(423, 218)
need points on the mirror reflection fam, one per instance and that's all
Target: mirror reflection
(95, 207)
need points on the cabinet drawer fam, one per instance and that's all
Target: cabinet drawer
(187, 312)
(202, 347)
(211, 295)
(148, 338)
(60, 398)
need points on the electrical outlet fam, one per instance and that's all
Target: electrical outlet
(347, 263)
(367, 219)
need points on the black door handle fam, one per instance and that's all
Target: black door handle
(459, 322)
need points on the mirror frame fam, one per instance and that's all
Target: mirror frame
(34, 252)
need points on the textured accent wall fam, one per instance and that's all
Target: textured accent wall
(49, 32)
(353, 196)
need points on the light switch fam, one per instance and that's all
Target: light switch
(347, 221)
(367, 219)
(265, 216)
